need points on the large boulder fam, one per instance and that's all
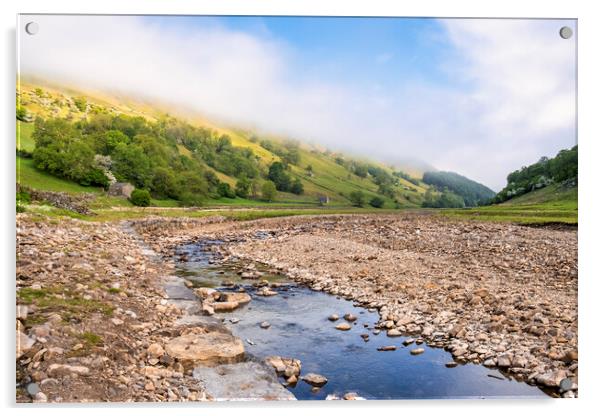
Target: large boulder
(210, 348)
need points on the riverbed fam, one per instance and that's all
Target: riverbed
(299, 328)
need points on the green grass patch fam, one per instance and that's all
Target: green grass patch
(90, 339)
(29, 176)
(62, 301)
(24, 139)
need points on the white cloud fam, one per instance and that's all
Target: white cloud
(514, 101)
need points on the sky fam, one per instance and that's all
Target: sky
(481, 97)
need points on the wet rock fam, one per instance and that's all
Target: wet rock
(265, 291)
(343, 327)
(334, 317)
(265, 325)
(314, 379)
(241, 298)
(451, 364)
(212, 347)
(387, 348)
(408, 341)
(224, 306)
(417, 351)
(551, 378)
(350, 317)
(393, 333)
(352, 396)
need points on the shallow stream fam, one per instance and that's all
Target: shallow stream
(299, 328)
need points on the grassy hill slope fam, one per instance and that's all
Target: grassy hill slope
(328, 179)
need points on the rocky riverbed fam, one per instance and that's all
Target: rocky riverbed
(501, 295)
(95, 321)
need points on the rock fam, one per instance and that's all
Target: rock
(334, 317)
(387, 348)
(350, 317)
(566, 384)
(277, 363)
(224, 306)
(33, 389)
(292, 380)
(314, 379)
(451, 364)
(417, 351)
(116, 321)
(552, 378)
(490, 362)
(394, 332)
(332, 397)
(265, 291)
(264, 325)
(205, 292)
(234, 320)
(247, 380)
(343, 327)
(239, 297)
(155, 350)
(568, 395)
(408, 341)
(503, 361)
(207, 309)
(570, 356)
(40, 397)
(209, 348)
(352, 396)
(65, 369)
(22, 311)
(24, 343)
(150, 386)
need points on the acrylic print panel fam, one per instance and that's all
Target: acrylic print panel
(281, 208)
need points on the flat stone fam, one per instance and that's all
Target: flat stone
(451, 364)
(343, 327)
(333, 317)
(155, 350)
(212, 347)
(314, 379)
(265, 325)
(408, 341)
(387, 348)
(248, 380)
(394, 333)
(65, 369)
(33, 389)
(417, 351)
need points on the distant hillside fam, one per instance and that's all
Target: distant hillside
(472, 193)
(561, 169)
(85, 138)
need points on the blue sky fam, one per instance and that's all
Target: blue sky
(481, 97)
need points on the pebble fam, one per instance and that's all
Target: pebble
(417, 351)
(387, 348)
(408, 341)
(333, 317)
(33, 389)
(265, 325)
(451, 364)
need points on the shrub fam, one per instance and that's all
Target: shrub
(357, 198)
(377, 202)
(224, 190)
(140, 198)
(242, 188)
(268, 191)
(297, 187)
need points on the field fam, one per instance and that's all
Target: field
(551, 205)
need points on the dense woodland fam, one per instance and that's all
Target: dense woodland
(452, 185)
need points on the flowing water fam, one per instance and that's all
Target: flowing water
(300, 329)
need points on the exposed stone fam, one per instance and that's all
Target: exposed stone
(314, 379)
(343, 326)
(212, 347)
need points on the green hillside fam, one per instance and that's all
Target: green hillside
(195, 142)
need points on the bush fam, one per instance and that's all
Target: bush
(140, 198)
(224, 190)
(242, 188)
(357, 198)
(268, 191)
(377, 202)
(297, 187)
